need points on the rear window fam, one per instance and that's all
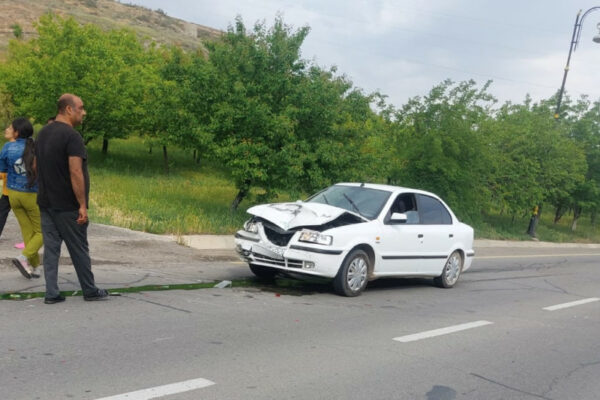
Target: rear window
(433, 212)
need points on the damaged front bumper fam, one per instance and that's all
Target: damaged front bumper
(295, 257)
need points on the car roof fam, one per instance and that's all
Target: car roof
(388, 188)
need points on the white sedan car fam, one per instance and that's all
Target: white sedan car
(356, 232)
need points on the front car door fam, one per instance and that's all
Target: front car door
(401, 243)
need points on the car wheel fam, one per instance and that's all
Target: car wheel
(263, 272)
(351, 279)
(451, 272)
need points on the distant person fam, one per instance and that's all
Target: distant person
(17, 159)
(4, 201)
(63, 196)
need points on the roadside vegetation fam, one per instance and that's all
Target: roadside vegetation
(184, 141)
(131, 189)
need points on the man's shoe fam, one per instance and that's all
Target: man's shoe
(101, 294)
(23, 267)
(52, 300)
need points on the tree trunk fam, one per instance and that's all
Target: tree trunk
(242, 193)
(576, 214)
(104, 146)
(166, 159)
(150, 149)
(593, 217)
(560, 211)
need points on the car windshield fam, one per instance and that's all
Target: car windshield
(361, 200)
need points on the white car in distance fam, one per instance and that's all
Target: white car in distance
(357, 232)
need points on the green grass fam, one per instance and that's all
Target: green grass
(503, 228)
(130, 189)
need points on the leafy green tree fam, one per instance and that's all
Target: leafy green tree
(168, 116)
(17, 31)
(583, 124)
(539, 163)
(440, 146)
(103, 68)
(253, 133)
(6, 108)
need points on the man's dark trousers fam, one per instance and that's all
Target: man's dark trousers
(59, 226)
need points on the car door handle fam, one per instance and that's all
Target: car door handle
(420, 235)
(451, 235)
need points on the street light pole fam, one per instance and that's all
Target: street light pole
(535, 217)
(573, 47)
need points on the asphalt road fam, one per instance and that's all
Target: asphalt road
(307, 343)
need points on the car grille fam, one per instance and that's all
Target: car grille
(280, 238)
(291, 263)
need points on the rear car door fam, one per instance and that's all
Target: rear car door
(437, 233)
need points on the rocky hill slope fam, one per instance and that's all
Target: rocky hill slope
(153, 24)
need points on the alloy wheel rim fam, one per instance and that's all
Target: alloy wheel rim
(452, 269)
(357, 274)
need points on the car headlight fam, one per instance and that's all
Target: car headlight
(315, 237)
(250, 226)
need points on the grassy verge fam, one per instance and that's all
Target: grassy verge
(130, 189)
(504, 228)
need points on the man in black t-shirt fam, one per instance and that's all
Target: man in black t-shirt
(63, 195)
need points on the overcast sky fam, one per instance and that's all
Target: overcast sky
(405, 47)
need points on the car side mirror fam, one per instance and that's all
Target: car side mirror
(399, 217)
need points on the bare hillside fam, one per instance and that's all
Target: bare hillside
(106, 13)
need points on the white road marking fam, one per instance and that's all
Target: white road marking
(536, 256)
(571, 304)
(160, 391)
(442, 331)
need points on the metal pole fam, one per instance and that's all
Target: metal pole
(573, 47)
(564, 80)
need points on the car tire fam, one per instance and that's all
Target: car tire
(451, 272)
(352, 276)
(263, 272)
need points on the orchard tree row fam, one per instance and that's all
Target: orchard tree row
(251, 104)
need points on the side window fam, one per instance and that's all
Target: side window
(432, 212)
(406, 203)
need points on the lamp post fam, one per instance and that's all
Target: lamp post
(535, 217)
(573, 47)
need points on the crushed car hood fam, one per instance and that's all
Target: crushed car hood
(292, 215)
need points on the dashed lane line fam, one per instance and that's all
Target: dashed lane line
(160, 391)
(537, 256)
(571, 304)
(442, 331)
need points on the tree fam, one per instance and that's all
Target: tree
(253, 133)
(168, 117)
(539, 163)
(17, 31)
(441, 146)
(103, 68)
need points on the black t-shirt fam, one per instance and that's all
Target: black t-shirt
(55, 143)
